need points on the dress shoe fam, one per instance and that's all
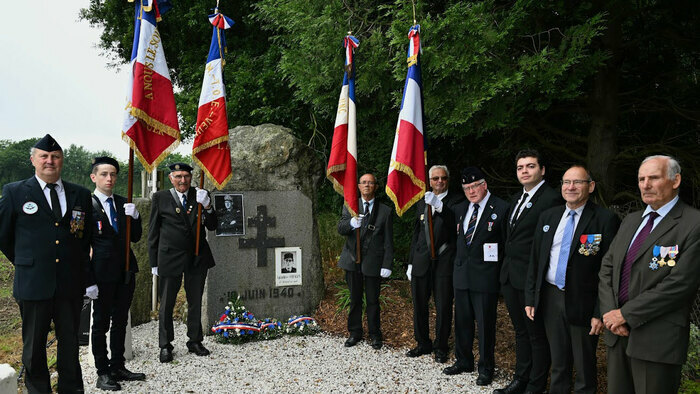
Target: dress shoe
(105, 382)
(352, 341)
(418, 351)
(456, 369)
(484, 380)
(376, 343)
(198, 349)
(122, 373)
(517, 386)
(166, 355)
(440, 356)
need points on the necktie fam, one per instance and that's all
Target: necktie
(631, 256)
(469, 235)
(517, 210)
(365, 221)
(560, 276)
(112, 214)
(55, 203)
(184, 201)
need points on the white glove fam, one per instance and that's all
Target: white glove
(154, 271)
(203, 197)
(433, 200)
(92, 292)
(385, 273)
(356, 221)
(130, 210)
(408, 271)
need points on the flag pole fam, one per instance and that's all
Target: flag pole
(129, 198)
(199, 215)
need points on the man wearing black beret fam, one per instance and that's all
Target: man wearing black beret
(171, 249)
(45, 233)
(115, 284)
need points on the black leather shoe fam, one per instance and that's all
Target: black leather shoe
(417, 352)
(456, 369)
(166, 355)
(517, 386)
(352, 341)
(105, 382)
(440, 356)
(484, 380)
(122, 373)
(376, 343)
(198, 349)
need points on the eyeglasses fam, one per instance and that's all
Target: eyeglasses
(576, 182)
(368, 183)
(438, 178)
(473, 187)
(186, 176)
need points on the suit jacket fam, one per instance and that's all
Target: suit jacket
(172, 233)
(376, 242)
(108, 246)
(50, 258)
(581, 285)
(444, 236)
(658, 308)
(471, 272)
(520, 236)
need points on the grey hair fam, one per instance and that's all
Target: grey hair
(439, 167)
(673, 169)
(31, 151)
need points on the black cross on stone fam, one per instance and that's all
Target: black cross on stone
(261, 242)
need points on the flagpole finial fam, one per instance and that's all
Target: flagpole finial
(414, 12)
(349, 32)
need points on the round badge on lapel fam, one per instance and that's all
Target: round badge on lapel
(30, 207)
(494, 216)
(545, 228)
(528, 205)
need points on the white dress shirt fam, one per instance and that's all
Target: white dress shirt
(530, 193)
(558, 237)
(61, 194)
(103, 199)
(470, 211)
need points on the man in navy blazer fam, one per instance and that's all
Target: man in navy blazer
(562, 281)
(481, 229)
(648, 281)
(108, 265)
(45, 233)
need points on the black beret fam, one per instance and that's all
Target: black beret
(105, 160)
(180, 167)
(48, 144)
(472, 174)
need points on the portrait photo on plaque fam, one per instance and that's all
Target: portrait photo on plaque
(288, 266)
(229, 210)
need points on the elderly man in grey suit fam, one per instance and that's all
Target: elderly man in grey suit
(376, 256)
(648, 280)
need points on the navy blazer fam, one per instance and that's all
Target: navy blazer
(51, 258)
(377, 242)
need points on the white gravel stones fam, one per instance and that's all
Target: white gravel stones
(317, 363)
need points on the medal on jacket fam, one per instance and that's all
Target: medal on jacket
(663, 252)
(177, 209)
(490, 226)
(77, 223)
(99, 227)
(672, 253)
(590, 244)
(189, 209)
(656, 251)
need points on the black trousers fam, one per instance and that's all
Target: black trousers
(36, 322)
(371, 284)
(111, 306)
(532, 357)
(194, 288)
(441, 289)
(479, 307)
(628, 375)
(570, 345)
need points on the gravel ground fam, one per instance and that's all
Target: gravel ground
(289, 364)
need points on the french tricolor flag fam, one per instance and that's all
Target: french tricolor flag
(342, 163)
(210, 149)
(150, 119)
(406, 180)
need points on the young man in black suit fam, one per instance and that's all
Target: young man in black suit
(480, 234)
(428, 276)
(562, 281)
(108, 265)
(45, 233)
(172, 234)
(531, 348)
(376, 255)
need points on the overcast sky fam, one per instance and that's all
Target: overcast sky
(54, 79)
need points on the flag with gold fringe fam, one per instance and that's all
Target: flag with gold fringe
(210, 149)
(342, 163)
(150, 119)
(406, 180)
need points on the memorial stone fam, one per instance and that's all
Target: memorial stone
(267, 245)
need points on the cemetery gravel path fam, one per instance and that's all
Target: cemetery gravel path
(317, 363)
